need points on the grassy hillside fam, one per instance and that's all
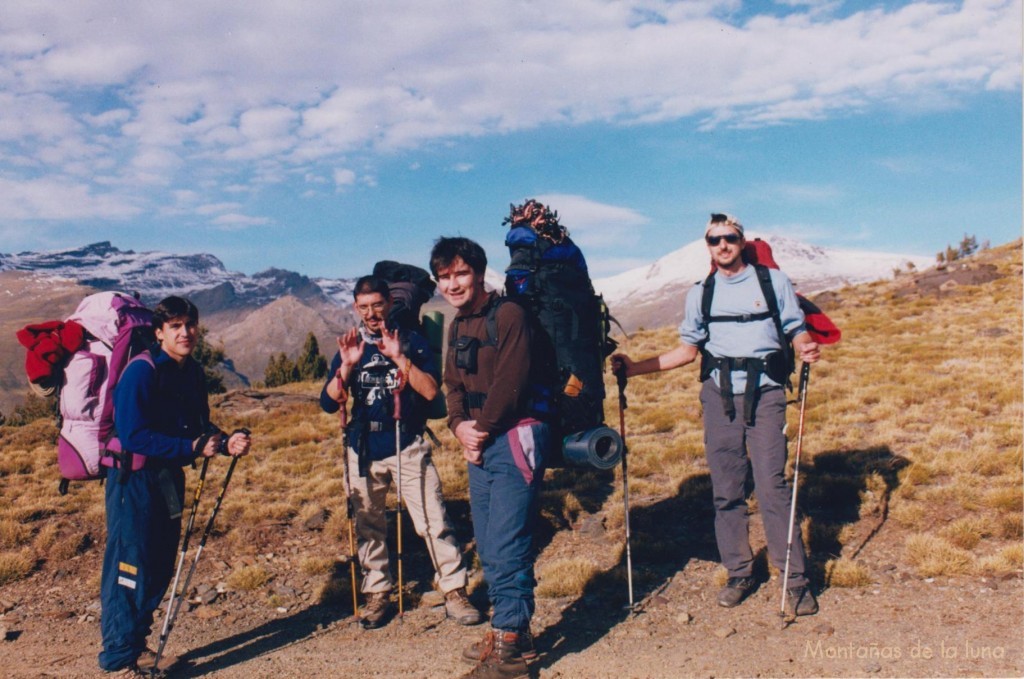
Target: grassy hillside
(912, 443)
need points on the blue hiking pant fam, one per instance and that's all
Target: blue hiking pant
(504, 507)
(142, 541)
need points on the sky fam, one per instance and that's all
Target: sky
(321, 136)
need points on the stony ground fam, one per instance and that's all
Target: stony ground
(900, 625)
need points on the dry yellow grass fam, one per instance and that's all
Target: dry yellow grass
(932, 556)
(843, 572)
(248, 578)
(14, 566)
(565, 577)
(317, 565)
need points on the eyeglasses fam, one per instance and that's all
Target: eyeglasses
(376, 307)
(730, 238)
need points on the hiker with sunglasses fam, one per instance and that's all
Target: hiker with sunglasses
(744, 405)
(162, 416)
(373, 364)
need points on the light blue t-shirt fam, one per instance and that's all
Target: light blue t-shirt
(734, 296)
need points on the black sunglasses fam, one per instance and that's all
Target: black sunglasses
(730, 238)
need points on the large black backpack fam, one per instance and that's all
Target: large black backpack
(410, 287)
(548, 277)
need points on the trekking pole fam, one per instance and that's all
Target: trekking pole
(165, 631)
(620, 375)
(805, 376)
(169, 624)
(398, 459)
(349, 510)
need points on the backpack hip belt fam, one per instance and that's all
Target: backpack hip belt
(772, 365)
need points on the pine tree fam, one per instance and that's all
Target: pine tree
(280, 370)
(310, 364)
(968, 246)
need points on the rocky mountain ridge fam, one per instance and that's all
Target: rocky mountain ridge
(254, 316)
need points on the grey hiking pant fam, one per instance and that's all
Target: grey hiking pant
(733, 451)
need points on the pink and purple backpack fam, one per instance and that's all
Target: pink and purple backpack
(117, 330)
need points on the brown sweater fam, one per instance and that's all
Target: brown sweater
(503, 371)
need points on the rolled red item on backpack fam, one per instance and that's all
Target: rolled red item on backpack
(819, 325)
(48, 344)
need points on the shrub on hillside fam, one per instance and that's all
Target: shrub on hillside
(33, 408)
(308, 367)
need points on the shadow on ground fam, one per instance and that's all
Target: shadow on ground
(835, 490)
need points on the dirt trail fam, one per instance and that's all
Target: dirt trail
(901, 625)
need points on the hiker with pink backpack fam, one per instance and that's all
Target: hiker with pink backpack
(162, 419)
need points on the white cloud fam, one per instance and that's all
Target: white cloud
(593, 224)
(235, 221)
(214, 208)
(206, 89)
(462, 167)
(343, 177)
(601, 267)
(55, 198)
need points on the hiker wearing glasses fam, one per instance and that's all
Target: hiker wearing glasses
(743, 368)
(486, 377)
(373, 364)
(162, 415)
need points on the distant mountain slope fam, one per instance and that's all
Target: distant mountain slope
(652, 296)
(28, 298)
(273, 311)
(155, 275)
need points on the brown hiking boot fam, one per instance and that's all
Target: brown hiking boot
(458, 606)
(133, 672)
(376, 611)
(501, 658)
(475, 652)
(147, 658)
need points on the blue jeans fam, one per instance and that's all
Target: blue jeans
(504, 507)
(142, 541)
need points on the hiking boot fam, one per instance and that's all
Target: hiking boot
(475, 652)
(801, 601)
(147, 658)
(376, 611)
(735, 591)
(501, 658)
(457, 606)
(134, 672)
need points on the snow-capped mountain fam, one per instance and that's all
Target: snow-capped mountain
(652, 295)
(155, 275)
(273, 311)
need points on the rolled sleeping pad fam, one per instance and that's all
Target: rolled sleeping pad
(433, 331)
(600, 447)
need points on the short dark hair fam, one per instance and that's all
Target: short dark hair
(370, 284)
(174, 307)
(446, 249)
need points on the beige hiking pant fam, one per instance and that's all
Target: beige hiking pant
(422, 497)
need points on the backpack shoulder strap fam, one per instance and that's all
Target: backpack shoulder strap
(492, 321)
(706, 294)
(764, 277)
